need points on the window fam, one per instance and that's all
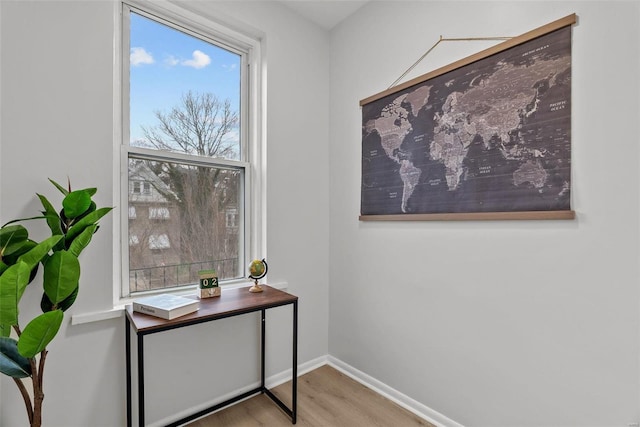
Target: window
(140, 187)
(158, 213)
(231, 218)
(189, 155)
(159, 241)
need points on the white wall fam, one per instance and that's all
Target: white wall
(491, 324)
(495, 323)
(57, 120)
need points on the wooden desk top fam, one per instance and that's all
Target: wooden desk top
(231, 302)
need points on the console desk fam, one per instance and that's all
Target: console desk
(232, 302)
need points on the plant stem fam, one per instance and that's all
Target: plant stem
(43, 357)
(37, 406)
(38, 395)
(25, 397)
(36, 419)
(34, 379)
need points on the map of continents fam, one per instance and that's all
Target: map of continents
(491, 136)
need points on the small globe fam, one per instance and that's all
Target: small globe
(257, 269)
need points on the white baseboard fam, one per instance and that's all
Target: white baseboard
(194, 409)
(412, 405)
(270, 382)
(379, 387)
(284, 376)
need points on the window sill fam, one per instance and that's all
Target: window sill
(118, 310)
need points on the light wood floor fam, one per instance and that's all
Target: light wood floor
(326, 398)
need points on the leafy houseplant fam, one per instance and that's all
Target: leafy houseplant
(71, 231)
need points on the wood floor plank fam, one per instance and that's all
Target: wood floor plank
(326, 398)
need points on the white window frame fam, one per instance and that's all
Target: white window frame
(252, 122)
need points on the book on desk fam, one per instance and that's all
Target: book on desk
(165, 306)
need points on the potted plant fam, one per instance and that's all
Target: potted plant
(23, 351)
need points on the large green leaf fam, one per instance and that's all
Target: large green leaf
(26, 247)
(14, 259)
(3, 267)
(47, 305)
(60, 187)
(61, 275)
(92, 208)
(37, 253)
(39, 332)
(76, 203)
(83, 239)
(90, 219)
(5, 330)
(92, 191)
(12, 284)
(53, 220)
(12, 238)
(13, 221)
(12, 363)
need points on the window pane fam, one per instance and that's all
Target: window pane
(184, 92)
(191, 224)
(159, 241)
(158, 213)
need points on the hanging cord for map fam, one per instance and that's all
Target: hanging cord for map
(436, 44)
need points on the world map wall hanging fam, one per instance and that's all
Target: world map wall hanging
(487, 137)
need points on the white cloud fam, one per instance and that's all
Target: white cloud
(229, 67)
(139, 56)
(200, 60)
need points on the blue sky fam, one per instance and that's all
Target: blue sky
(165, 63)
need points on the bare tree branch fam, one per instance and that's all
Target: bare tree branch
(202, 125)
(197, 126)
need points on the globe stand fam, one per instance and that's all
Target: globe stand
(256, 287)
